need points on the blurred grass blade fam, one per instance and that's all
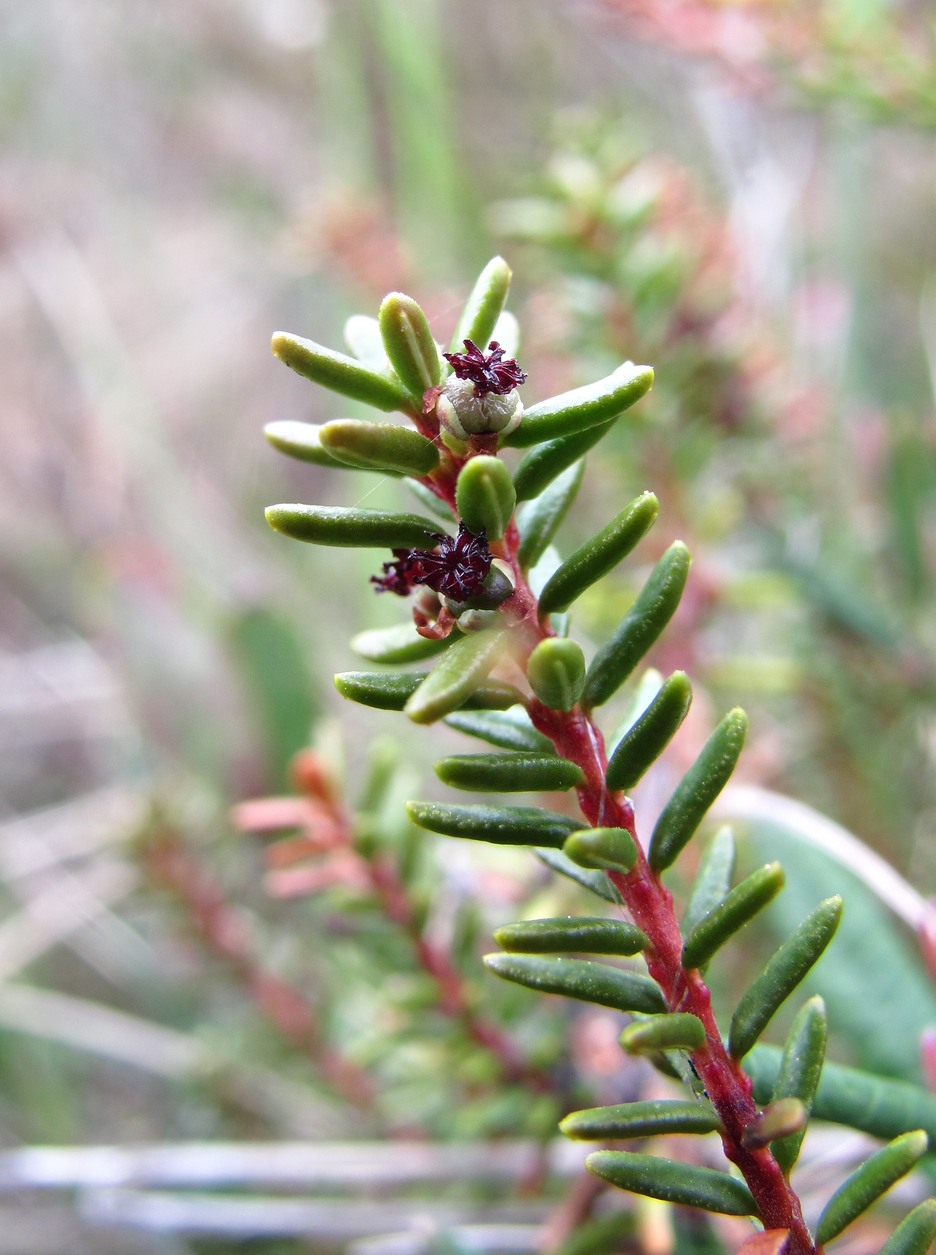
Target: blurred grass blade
(460, 671)
(501, 825)
(352, 526)
(597, 983)
(713, 879)
(684, 1184)
(781, 975)
(581, 934)
(737, 909)
(648, 616)
(340, 373)
(644, 742)
(483, 307)
(408, 343)
(508, 773)
(575, 411)
(800, 1071)
(697, 790)
(867, 1183)
(599, 555)
(640, 1119)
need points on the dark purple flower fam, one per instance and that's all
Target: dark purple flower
(488, 373)
(457, 569)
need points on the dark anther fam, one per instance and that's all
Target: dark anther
(488, 373)
(457, 569)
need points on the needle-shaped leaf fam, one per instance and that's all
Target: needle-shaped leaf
(677, 1031)
(643, 743)
(340, 373)
(485, 496)
(731, 914)
(697, 790)
(538, 521)
(867, 1183)
(575, 411)
(685, 1184)
(460, 671)
(599, 555)
(595, 882)
(501, 825)
(656, 1118)
(915, 1233)
(379, 447)
(508, 773)
(602, 849)
(409, 345)
(782, 974)
(363, 338)
(299, 440)
(556, 672)
(581, 934)
(648, 616)
(713, 879)
(541, 465)
(396, 645)
(352, 526)
(800, 1070)
(392, 692)
(484, 306)
(597, 983)
(508, 729)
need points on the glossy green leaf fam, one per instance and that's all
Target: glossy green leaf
(351, 526)
(392, 691)
(300, 441)
(646, 739)
(731, 914)
(575, 411)
(556, 672)
(676, 1031)
(508, 729)
(605, 849)
(600, 554)
(800, 1070)
(597, 983)
(379, 447)
(538, 468)
(396, 645)
(593, 881)
(782, 974)
(538, 521)
(485, 497)
(582, 934)
(340, 373)
(483, 307)
(874, 1104)
(687, 1185)
(508, 773)
(915, 1233)
(648, 616)
(657, 1118)
(697, 790)
(713, 879)
(501, 825)
(867, 1183)
(460, 671)
(408, 343)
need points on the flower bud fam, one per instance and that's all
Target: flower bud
(463, 414)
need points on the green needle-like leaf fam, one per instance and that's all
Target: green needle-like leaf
(485, 496)
(340, 373)
(392, 692)
(507, 729)
(598, 983)
(541, 465)
(556, 672)
(599, 555)
(738, 908)
(581, 934)
(483, 307)
(595, 882)
(409, 345)
(640, 627)
(640, 1119)
(299, 440)
(352, 527)
(645, 741)
(713, 879)
(582, 408)
(783, 973)
(508, 773)
(875, 1176)
(539, 520)
(800, 1070)
(379, 447)
(459, 672)
(501, 825)
(685, 1184)
(697, 790)
(676, 1031)
(602, 849)
(396, 645)
(915, 1233)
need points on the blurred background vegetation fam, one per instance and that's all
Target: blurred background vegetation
(739, 193)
